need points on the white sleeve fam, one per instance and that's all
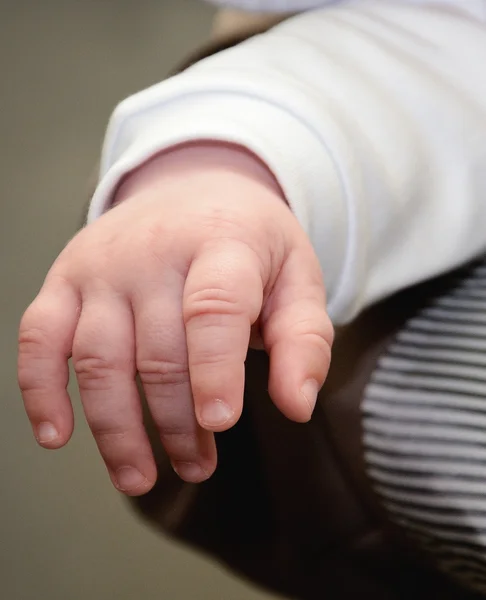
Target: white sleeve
(372, 116)
(276, 6)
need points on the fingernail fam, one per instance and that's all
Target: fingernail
(215, 414)
(46, 432)
(190, 472)
(129, 478)
(309, 390)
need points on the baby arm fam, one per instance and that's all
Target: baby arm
(368, 120)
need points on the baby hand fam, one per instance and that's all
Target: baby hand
(201, 257)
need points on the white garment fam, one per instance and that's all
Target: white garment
(372, 116)
(273, 5)
(301, 5)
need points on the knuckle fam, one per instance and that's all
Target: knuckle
(210, 356)
(94, 372)
(27, 382)
(321, 342)
(161, 371)
(327, 330)
(36, 322)
(31, 339)
(319, 333)
(211, 303)
(31, 355)
(107, 434)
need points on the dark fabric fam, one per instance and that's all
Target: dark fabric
(290, 505)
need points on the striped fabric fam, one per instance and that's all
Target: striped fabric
(425, 429)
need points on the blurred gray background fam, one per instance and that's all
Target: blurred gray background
(65, 534)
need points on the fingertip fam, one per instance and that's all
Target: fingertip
(192, 472)
(140, 491)
(50, 437)
(309, 391)
(301, 417)
(297, 373)
(217, 416)
(132, 482)
(292, 404)
(293, 391)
